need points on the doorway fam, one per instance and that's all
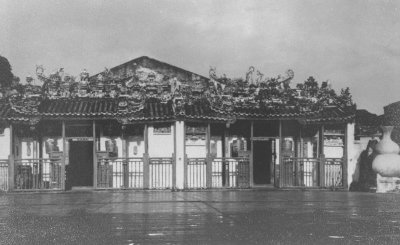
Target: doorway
(79, 171)
(264, 162)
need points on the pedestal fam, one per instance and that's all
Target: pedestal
(387, 184)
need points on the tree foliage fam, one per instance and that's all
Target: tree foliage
(6, 76)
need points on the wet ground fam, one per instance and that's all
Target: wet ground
(208, 217)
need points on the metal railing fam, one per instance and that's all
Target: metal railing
(37, 174)
(230, 172)
(160, 173)
(116, 173)
(3, 175)
(311, 172)
(334, 172)
(196, 173)
(45, 174)
(300, 172)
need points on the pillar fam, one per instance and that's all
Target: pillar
(280, 159)
(208, 158)
(322, 156)
(64, 156)
(321, 140)
(225, 154)
(251, 163)
(179, 154)
(146, 159)
(11, 161)
(94, 156)
(125, 155)
(349, 163)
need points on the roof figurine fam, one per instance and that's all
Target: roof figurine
(249, 76)
(147, 84)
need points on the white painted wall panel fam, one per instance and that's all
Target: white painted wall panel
(5, 144)
(161, 145)
(135, 146)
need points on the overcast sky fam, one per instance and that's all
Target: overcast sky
(350, 43)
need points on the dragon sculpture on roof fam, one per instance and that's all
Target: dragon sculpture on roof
(135, 88)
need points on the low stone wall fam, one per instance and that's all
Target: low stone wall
(387, 184)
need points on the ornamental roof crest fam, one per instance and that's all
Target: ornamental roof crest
(133, 86)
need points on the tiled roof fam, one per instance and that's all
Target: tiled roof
(327, 114)
(107, 108)
(269, 112)
(154, 111)
(78, 107)
(203, 111)
(7, 113)
(330, 115)
(166, 111)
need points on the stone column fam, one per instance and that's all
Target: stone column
(251, 163)
(94, 155)
(179, 154)
(208, 157)
(349, 165)
(11, 158)
(64, 156)
(280, 158)
(125, 155)
(146, 160)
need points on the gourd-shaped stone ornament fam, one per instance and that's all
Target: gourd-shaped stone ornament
(387, 145)
(387, 162)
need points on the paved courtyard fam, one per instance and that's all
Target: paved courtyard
(204, 217)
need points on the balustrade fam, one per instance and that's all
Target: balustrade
(312, 172)
(229, 172)
(37, 174)
(3, 175)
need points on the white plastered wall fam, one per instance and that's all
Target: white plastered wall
(216, 143)
(160, 145)
(196, 148)
(333, 152)
(29, 148)
(5, 144)
(26, 148)
(135, 146)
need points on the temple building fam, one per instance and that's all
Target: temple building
(146, 124)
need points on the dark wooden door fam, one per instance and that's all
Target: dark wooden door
(262, 162)
(80, 168)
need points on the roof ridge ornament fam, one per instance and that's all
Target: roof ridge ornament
(135, 87)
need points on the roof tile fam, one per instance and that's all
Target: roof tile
(107, 108)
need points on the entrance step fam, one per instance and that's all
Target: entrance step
(82, 188)
(264, 187)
